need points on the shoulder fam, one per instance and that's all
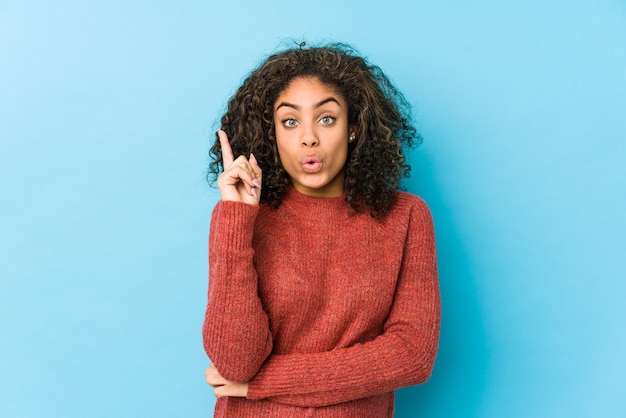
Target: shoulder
(411, 205)
(411, 210)
(416, 215)
(409, 213)
(410, 199)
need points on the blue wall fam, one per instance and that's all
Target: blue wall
(106, 111)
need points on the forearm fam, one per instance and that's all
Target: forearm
(316, 379)
(236, 332)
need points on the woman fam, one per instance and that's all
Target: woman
(323, 294)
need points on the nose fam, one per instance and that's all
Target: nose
(309, 138)
(309, 142)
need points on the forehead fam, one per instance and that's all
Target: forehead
(306, 90)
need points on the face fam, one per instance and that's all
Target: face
(312, 131)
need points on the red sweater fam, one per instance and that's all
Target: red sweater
(324, 312)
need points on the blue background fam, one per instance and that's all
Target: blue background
(107, 109)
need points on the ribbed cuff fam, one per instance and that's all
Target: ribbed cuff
(234, 225)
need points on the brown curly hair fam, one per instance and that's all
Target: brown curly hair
(379, 113)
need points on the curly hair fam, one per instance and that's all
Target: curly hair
(377, 110)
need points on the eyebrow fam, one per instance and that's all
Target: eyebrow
(315, 106)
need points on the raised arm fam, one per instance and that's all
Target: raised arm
(402, 355)
(235, 332)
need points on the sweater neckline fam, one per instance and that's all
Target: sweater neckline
(318, 208)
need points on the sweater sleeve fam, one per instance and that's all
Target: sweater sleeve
(235, 332)
(403, 355)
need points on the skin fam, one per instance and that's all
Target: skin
(312, 132)
(241, 179)
(223, 387)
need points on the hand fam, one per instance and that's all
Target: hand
(224, 387)
(241, 179)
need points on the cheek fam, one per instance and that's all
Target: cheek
(283, 136)
(280, 143)
(341, 148)
(283, 151)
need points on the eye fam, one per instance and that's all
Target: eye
(327, 120)
(290, 123)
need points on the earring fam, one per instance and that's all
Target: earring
(351, 139)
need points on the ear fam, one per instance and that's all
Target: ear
(351, 134)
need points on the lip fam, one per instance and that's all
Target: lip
(311, 163)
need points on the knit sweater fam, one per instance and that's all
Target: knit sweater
(324, 312)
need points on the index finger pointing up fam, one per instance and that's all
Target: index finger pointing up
(227, 152)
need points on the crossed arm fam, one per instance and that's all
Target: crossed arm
(402, 355)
